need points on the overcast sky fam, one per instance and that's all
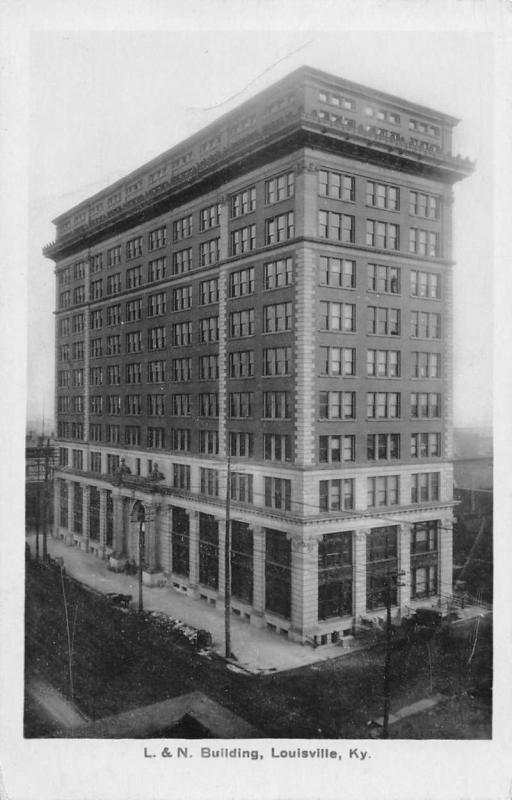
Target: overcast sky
(103, 103)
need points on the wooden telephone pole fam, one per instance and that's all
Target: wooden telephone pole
(227, 564)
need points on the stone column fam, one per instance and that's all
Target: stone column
(359, 567)
(151, 536)
(193, 566)
(86, 491)
(445, 569)
(103, 523)
(118, 524)
(404, 566)
(258, 568)
(304, 574)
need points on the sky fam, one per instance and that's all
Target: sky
(104, 102)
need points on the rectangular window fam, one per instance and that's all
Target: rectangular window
(277, 273)
(97, 262)
(182, 261)
(278, 493)
(424, 487)
(424, 243)
(157, 269)
(77, 457)
(240, 405)
(277, 405)
(277, 361)
(114, 283)
(78, 322)
(424, 205)
(208, 404)
(182, 228)
(243, 240)
(95, 432)
(95, 376)
(277, 318)
(279, 228)
(381, 195)
(156, 371)
(383, 491)
(134, 248)
(383, 321)
(209, 217)
(156, 405)
(425, 325)
(181, 439)
(157, 238)
(114, 256)
(156, 438)
(425, 445)
(180, 477)
(383, 363)
(277, 447)
(134, 373)
(336, 185)
(133, 277)
(113, 374)
(337, 316)
(337, 361)
(243, 202)
(209, 481)
(112, 434)
(113, 315)
(337, 227)
(337, 405)
(209, 291)
(384, 235)
(209, 330)
(383, 446)
(241, 445)
(96, 290)
(133, 404)
(181, 369)
(241, 323)
(383, 405)
(114, 345)
(336, 495)
(426, 365)
(96, 319)
(425, 284)
(96, 404)
(156, 338)
(241, 487)
(209, 252)
(383, 279)
(157, 304)
(182, 334)
(133, 310)
(241, 364)
(279, 188)
(241, 282)
(134, 342)
(338, 272)
(208, 368)
(336, 449)
(78, 351)
(209, 442)
(180, 405)
(425, 405)
(132, 435)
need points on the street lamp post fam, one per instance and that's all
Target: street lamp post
(141, 553)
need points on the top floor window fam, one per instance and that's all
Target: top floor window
(337, 185)
(382, 195)
(243, 202)
(134, 247)
(209, 217)
(279, 188)
(114, 256)
(157, 238)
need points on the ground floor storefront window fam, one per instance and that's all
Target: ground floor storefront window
(278, 562)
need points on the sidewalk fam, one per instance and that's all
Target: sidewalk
(257, 651)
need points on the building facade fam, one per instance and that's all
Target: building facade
(277, 290)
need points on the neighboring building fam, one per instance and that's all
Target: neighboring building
(40, 458)
(278, 286)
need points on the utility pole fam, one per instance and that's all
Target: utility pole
(227, 564)
(141, 555)
(45, 499)
(38, 509)
(391, 582)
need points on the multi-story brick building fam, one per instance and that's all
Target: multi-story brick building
(277, 287)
